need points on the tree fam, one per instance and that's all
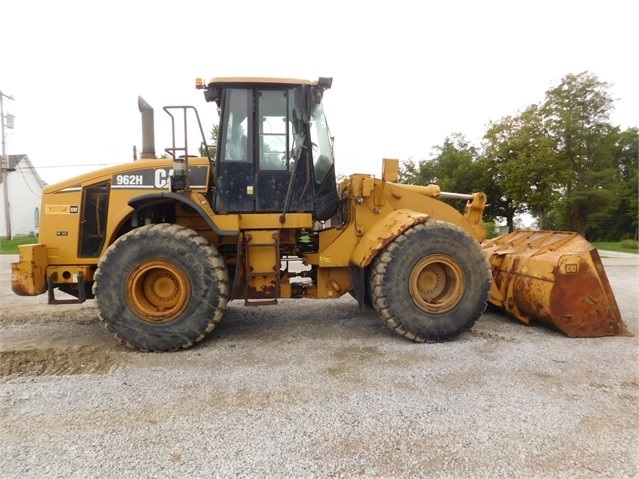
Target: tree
(526, 164)
(577, 113)
(617, 216)
(408, 172)
(560, 160)
(500, 206)
(627, 155)
(452, 167)
(458, 167)
(212, 148)
(456, 170)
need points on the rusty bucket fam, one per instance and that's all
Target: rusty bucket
(555, 278)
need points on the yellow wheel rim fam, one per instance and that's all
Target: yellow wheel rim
(437, 284)
(158, 291)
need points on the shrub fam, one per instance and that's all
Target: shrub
(491, 229)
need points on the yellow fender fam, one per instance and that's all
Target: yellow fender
(383, 232)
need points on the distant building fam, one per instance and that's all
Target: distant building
(25, 195)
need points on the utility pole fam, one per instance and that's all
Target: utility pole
(5, 164)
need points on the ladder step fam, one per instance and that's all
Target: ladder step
(266, 291)
(259, 302)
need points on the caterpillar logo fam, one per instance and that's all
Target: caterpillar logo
(572, 268)
(156, 179)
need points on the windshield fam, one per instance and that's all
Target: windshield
(322, 143)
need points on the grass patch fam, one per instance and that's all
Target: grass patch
(618, 246)
(11, 246)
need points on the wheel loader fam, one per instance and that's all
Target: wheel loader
(163, 244)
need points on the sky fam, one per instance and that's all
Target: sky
(406, 74)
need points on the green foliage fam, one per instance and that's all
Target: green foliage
(577, 112)
(450, 168)
(529, 169)
(212, 148)
(560, 161)
(492, 231)
(565, 163)
(624, 246)
(457, 167)
(630, 244)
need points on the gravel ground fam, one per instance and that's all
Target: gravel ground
(316, 389)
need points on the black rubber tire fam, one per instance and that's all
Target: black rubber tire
(431, 283)
(161, 287)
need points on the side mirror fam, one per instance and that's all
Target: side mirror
(325, 82)
(212, 95)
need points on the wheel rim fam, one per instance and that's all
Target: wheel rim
(437, 283)
(158, 291)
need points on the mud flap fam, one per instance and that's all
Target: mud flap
(555, 278)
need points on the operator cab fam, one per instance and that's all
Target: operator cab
(274, 151)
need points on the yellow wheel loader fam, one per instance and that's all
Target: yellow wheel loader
(163, 245)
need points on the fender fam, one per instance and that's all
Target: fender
(383, 232)
(190, 199)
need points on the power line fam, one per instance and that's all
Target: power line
(36, 167)
(26, 182)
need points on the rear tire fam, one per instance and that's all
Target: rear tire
(431, 283)
(161, 287)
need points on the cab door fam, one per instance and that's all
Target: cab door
(275, 145)
(234, 169)
(261, 155)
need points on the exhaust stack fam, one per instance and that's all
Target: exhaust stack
(148, 129)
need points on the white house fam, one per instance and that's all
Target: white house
(25, 194)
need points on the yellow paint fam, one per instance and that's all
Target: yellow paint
(383, 232)
(28, 274)
(59, 209)
(390, 170)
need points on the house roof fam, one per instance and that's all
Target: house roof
(21, 164)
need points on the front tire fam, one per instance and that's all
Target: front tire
(431, 283)
(161, 287)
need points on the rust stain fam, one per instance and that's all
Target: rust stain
(19, 289)
(556, 279)
(581, 306)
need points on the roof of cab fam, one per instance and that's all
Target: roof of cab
(285, 81)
